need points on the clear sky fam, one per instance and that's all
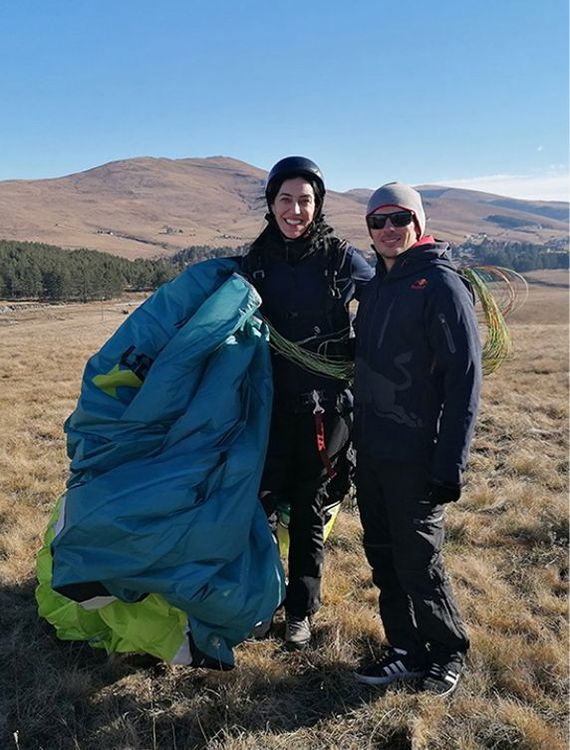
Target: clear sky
(471, 93)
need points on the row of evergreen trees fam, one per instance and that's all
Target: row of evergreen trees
(520, 256)
(33, 270)
(197, 253)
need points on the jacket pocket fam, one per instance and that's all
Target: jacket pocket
(447, 332)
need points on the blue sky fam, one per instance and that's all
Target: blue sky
(472, 93)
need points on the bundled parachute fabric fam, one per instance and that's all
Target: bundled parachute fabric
(160, 544)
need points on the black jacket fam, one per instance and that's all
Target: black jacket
(418, 363)
(306, 291)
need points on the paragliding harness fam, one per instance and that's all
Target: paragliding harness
(318, 412)
(252, 268)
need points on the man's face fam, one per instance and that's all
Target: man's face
(294, 207)
(391, 241)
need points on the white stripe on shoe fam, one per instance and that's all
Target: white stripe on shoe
(383, 674)
(441, 681)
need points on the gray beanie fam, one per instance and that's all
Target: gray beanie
(400, 196)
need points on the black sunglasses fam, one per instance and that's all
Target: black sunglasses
(398, 219)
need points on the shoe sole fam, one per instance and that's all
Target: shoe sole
(437, 694)
(292, 646)
(408, 677)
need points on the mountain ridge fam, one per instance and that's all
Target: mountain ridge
(153, 206)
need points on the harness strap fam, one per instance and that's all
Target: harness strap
(318, 412)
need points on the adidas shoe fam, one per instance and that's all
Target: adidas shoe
(297, 632)
(394, 665)
(442, 679)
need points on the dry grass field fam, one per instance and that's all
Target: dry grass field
(506, 549)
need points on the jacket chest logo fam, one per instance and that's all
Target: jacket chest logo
(419, 284)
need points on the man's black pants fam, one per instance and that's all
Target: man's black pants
(403, 537)
(294, 473)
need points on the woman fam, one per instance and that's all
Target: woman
(306, 277)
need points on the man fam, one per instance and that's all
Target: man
(418, 376)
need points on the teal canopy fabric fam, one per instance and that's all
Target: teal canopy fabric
(167, 445)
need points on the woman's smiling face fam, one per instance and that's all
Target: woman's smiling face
(294, 207)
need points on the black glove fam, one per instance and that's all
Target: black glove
(439, 493)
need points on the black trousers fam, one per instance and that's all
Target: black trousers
(403, 538)
(294, 473)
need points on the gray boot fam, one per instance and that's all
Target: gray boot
(297, 632)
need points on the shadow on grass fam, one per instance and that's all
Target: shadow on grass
(57, 694)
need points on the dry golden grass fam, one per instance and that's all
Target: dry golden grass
(506, 550)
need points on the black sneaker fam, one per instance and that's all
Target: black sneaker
(394, 665)
(442, 678)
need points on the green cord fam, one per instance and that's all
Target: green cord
(498, 343)
(340, 369)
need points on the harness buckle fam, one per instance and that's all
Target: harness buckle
(317, 402)
(308, 399)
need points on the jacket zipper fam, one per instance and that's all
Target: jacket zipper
(370, 338)
(385, 322)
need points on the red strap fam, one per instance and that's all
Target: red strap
(321, 444)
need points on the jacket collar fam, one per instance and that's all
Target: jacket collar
(426, 252)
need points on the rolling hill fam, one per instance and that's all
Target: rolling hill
(146, 207)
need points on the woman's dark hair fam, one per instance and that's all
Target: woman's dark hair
(272, 190)
(319, 232)
(291, 167)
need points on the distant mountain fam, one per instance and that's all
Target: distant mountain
(146, 207)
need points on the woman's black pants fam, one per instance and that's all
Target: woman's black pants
(295, 474)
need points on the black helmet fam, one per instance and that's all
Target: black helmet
(294, 166)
